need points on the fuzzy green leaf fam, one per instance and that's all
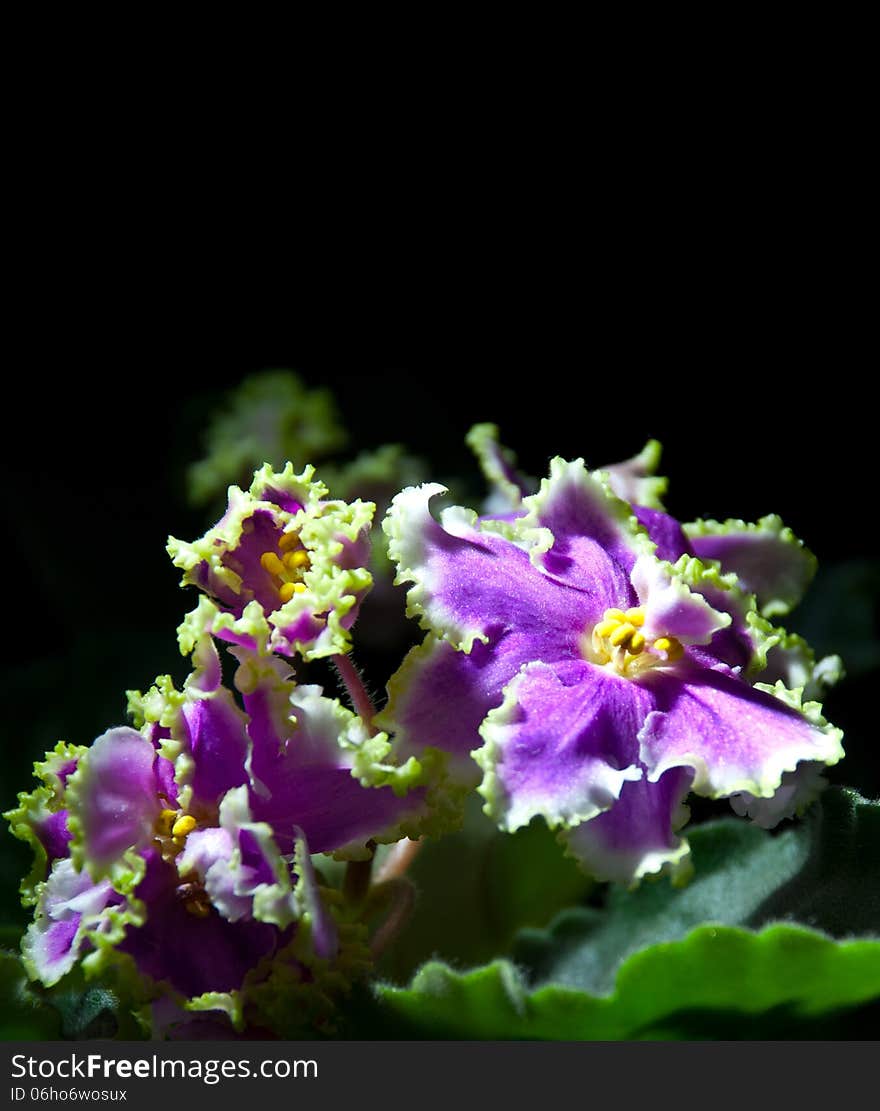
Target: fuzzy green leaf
(735, 977)
(24, 1013)
(823, 872)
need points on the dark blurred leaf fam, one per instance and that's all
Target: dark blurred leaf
(823, 871)
(24, 1014)
(477, 888)
(840, 613)
(783, 978)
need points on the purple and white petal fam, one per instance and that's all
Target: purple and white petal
(508, 487)
(70, 901)
(562, 744)
(735, 737)
(797, 790)
(469, 581)
(665, 532)
(638, 836)
(322, 927)
(635, 480)
(767, 557)
(672, 609)
(305, 777)
(113, 798)
(213, 732)
(206, 858)
(439, 697)
(793, 663)
(191, 953)
(594, 538)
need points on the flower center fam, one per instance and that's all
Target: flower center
(617, 640)
(287, 566)
(195, 898)
(172, 829)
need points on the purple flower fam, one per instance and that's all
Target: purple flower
(595, 669)
(182, 848)
(284, 552)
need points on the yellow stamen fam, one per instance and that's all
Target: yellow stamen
(618, 640)
(621, 634)
(299, 588)
(183, 826)
(293, 561)
(165, 821)
(271, 563)
(288, 540)
(287, 591)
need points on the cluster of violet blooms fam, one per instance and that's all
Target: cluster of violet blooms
(587, 659)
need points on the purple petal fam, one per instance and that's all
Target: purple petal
(165, 784)
(324, 935)
(54, 835)
(636, 837)
(207, 855)
(217, 740)
(193, 954)
(595, 542)
(672, 609)
(260, 533)
(114, 795)
(562, 745)
(736, 737)
(253, 861)
(665, 531)
(797, 790)
(302, 773)
(440, 697)
(635, 480)
(472, 584)
(330, 806)
(69, 900)
(768, 559)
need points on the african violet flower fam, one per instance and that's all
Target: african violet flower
(300, 557)
(183, 847)
(772, 568)
(594, 667)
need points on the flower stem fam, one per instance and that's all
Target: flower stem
(397, 861)
(402, 896)
(358, 875)
(357, 692)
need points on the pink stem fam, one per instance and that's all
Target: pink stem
(403, 900)
(398, 860)
(357, 692)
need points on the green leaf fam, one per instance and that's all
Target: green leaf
(24, 1015)
(477, 888)
(727, 973)
(88, 1012)
(663, 962)
(823, 871)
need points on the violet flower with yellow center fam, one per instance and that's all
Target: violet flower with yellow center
(594, 682)
(300, 557)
